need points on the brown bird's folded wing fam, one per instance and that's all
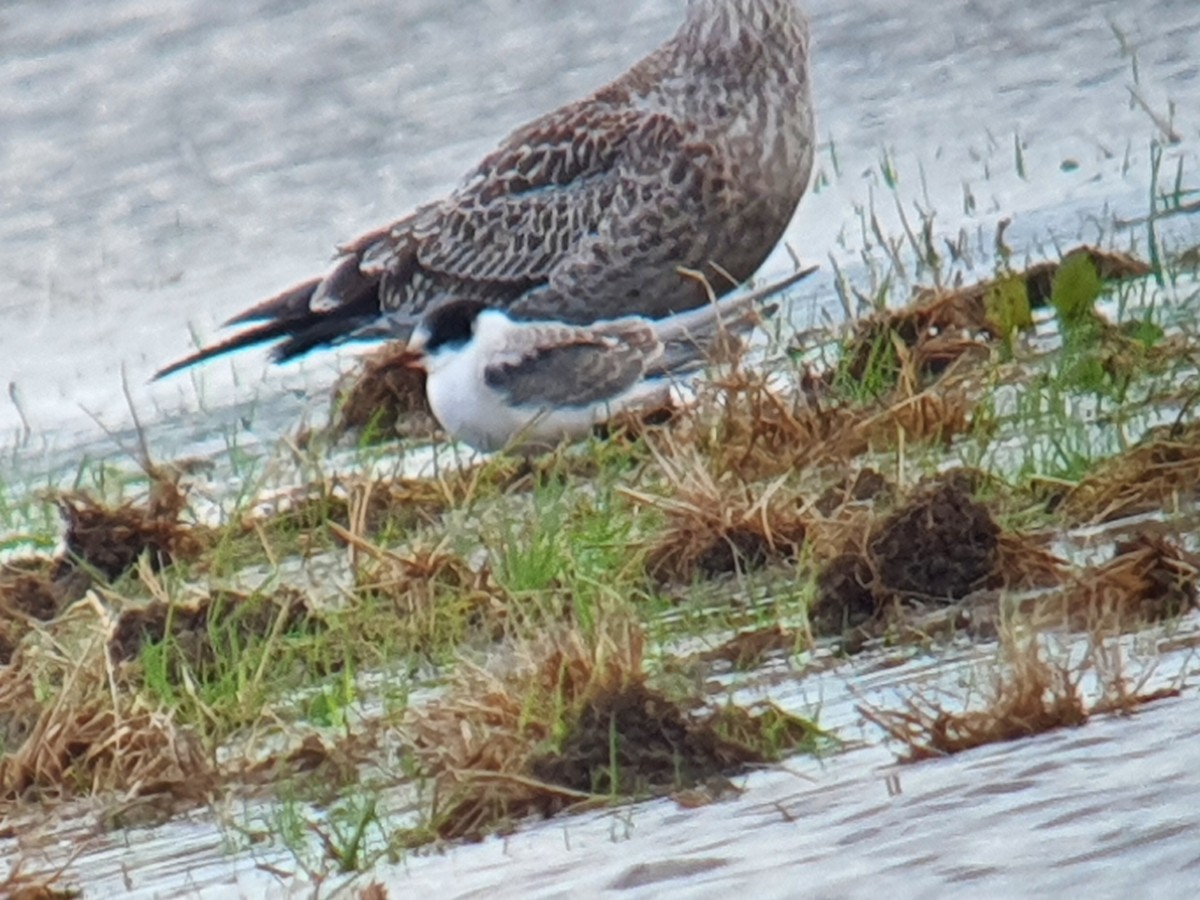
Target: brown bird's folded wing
(530, 203)
(583, 215)
(578, 217)
(668, 201)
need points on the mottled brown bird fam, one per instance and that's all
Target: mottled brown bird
(694, 159)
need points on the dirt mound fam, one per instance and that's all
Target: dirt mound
(30, 593)
(110, 540)
(633, 741)
(237, 618)
(577, 724)
(385, 397)
(939, 547)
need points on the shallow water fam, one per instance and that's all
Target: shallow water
(163, 165)
(1109, 809)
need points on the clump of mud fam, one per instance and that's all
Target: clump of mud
(28, 590)
(574, 723)
(108, 541)
(385, 397)
(29, 594)
(943, 547)
(940, 546)
(191, 628)
(100, 542)
(633, 740)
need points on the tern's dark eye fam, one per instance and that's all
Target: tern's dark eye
(452, 324)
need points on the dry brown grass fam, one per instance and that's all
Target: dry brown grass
(1030, 689)
(750, 649)
(361, 508)
(942, 326)
(365, 506)
(573, 722)
(373, 891)
(716, 524)
(430, 588)
(1161, 472)
(1023, 563)
(1025, 695)
(912, 415)
(1148, 579)
(20, 884)
(90, 735)
(757, 426)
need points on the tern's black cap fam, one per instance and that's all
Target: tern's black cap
(452, 324)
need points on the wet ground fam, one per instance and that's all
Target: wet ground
(161, 166)
(1110, 808)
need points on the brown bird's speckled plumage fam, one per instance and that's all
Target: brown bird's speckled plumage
(695, 158)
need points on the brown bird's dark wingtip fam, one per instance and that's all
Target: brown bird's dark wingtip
(288, 318)
(173, 368)
(248, 338)
(290, 304)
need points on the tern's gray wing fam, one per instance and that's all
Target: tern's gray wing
(549, 367)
